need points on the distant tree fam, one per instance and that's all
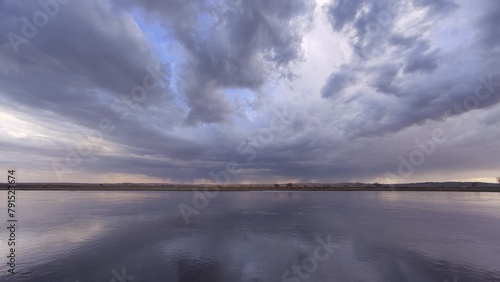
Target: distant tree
(376, 184)
(276, 186)
(289, 185)
(498, 179)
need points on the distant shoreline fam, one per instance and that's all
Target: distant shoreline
(434, 187)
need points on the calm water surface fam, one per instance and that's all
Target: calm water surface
(255, 236)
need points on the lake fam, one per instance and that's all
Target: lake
(254, 236)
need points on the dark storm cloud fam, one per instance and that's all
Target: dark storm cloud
(81, 67)
(366, 22)
(370, 23)
(112, 58)
(230, 44)
(421, 58)
(342, 12)
(89, 54)
(364, 15)
(488, 34)
(337, 82)
(402, 41)
(70, 62)
(411, 68)
(385, 76)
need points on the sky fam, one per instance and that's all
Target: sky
(250, 91)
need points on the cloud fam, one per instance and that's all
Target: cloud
(230, 44)
(337, 82)
(405, 62)
(385, 76)
(421, 59)
(488, 34)
(436, 6)
(342, 12)
(72, 64)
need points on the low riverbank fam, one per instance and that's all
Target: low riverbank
(448, 186)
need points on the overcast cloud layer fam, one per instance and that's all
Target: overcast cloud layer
(250, 91)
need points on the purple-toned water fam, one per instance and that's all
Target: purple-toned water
(255, 236)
